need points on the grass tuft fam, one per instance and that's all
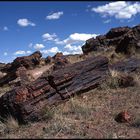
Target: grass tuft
(12, 123)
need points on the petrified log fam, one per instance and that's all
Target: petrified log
(123, 39)
(116, 32)
(130, 65)
(26, 102)
(49, 59)
(20, 74)
(19, 66)
(26, 61)
(59, 60)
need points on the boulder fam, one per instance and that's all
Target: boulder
(123, 117)
(59, 61)
(58, 55)
(48, 60)
(124, 39)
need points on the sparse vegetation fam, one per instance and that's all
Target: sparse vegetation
(12, 123)
(75, 58)
(89, 115)
(136, 124)
(4, 89)
(48, 113)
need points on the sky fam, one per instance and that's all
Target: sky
(51, 27)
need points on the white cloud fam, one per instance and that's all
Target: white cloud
(51, 50)
(119, 9)
(5, 28)
(25, 22)
(48, 36)
(20, 52)
(44, 51)
(38, 46)
(5, 54)
(66, 52)
(81, 37)
(75, 38)
(72, 43)
(73, 49)
(28, 52)
(107, 21)
(54, 15)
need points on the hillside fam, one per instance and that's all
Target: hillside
(91, 95)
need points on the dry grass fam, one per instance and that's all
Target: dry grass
(110, 53)
(12, 123)
(89, 115)
(4, 89)
(75, 58)
(137, 79)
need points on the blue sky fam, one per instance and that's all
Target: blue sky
(58, 26)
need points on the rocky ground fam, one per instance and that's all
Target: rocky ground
(90, 115)
(109, 69)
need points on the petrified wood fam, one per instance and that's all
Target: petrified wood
(18, 68)
(123, 39)
(129, 65)
(27, 102)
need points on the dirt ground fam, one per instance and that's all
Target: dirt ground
(90, 115)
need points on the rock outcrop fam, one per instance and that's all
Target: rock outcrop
(26, 102)
(2, 65)
(129, 65)
(59, 60)
(17, 69)
(124, 39)
(28, 62)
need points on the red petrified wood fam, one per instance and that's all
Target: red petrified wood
(26, 102)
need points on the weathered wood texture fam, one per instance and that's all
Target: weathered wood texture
(123, 39)
(18, 68)
(130, 65)
(26, 102)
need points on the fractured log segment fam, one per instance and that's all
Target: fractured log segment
(18, 69)
(130, 65)
(26, 102)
